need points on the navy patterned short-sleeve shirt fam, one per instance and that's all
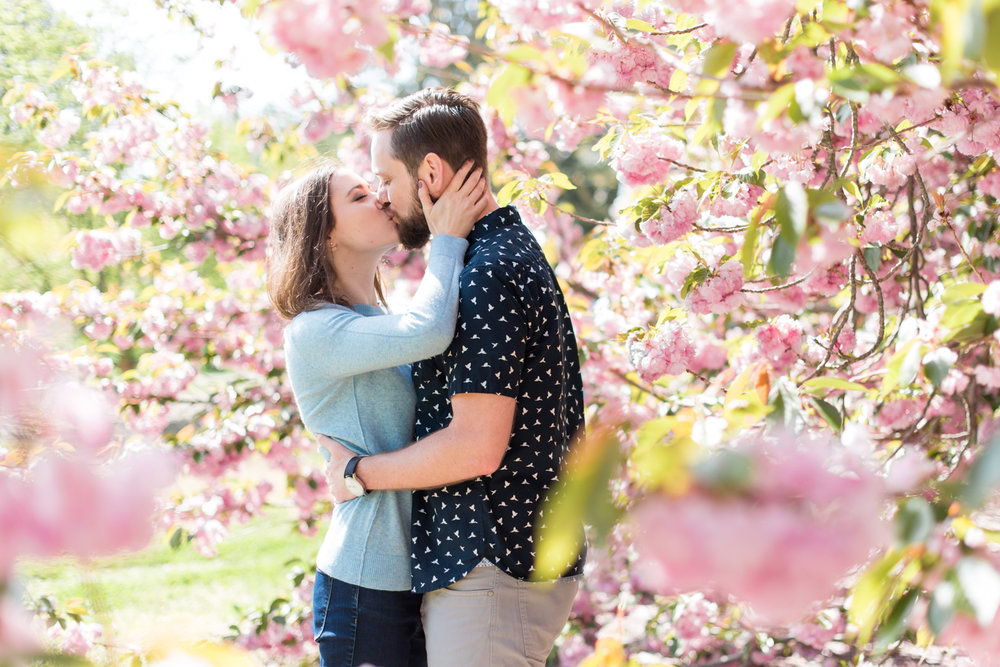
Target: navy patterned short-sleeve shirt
(514, 337)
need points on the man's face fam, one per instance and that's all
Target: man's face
(397, 193)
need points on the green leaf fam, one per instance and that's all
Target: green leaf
(936, 370)
(895, 624)
(957, 315)
(719, 59)
(941, 607)
(792, 212)
(902, 367)
(779, 101)
(991, 52)
(915, 521)
(833, 383)
(693, 279)
(871, 594)
(558, 179)
(581, 496)
(980, 585)
(748, 253)
(983, 476)
(175, 539)
(641, 26)
(523, 53)
(962, 291)
(508, 192)
(603, 147)
(500, 95)
(828, 412)
(782, 257)
(873, 257)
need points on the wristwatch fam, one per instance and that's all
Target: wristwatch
(351, 481)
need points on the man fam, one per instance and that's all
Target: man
(496, 413)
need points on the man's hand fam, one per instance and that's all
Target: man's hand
(334, 472)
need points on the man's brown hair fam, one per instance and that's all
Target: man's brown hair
(433, 120)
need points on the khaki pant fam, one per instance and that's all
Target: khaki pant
(490, 619)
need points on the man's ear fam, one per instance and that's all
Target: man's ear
(436, 173)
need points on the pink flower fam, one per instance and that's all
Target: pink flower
(752, 21)
(979, 641)
(675, 220)
(330, 37)
(633, 64)
(908, 469)
(881, 226)
(991, 298)
(76, 638)
(441, 48)
(642, 159)
(720, 292)
(987, 376)
(60, 129)
(781, 341)
(667, 352)
(805, 519)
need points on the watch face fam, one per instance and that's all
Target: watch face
(354, 486)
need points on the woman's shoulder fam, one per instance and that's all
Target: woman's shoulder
(321, 317)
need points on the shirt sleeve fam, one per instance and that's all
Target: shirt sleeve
(491, 337)
(338, 342)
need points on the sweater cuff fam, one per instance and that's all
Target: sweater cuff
(453, 246)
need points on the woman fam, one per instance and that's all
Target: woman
(347, 359)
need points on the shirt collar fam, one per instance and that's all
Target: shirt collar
(504, 216)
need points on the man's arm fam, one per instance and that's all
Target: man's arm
(473, 444)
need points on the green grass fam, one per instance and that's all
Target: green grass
(132, 594)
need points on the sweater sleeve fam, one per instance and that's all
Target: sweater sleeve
(338, 342)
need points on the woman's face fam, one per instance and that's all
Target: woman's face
(360, 224)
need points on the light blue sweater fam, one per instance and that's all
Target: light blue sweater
(350, 373)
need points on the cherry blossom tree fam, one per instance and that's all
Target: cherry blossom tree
(788, 313)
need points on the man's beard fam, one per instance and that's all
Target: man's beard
(413, 230)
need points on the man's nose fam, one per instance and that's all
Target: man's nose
(380, 196)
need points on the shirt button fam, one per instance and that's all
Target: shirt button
(490, 593)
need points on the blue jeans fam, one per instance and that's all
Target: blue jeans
(355, 625)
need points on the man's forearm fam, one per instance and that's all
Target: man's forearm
(439, 459)
(473, 444)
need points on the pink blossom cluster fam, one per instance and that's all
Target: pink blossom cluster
(76, 638)
(633, 64)
(667, 351)
(751, 22)
(98, 248)
(886, 34)
(25, 102)
(644, 158)
(676, 219)
(781, 341)
(720, 292)
(742, 198)
(160, 374)
(308, 28)
(540, 16)
(782, 542)
(104, 86)
(882, 226)
(82, 505)
(59, 129)
(440, 48)
(991, 299)
(981, 641)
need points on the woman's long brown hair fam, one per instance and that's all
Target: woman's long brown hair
(300, 275)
